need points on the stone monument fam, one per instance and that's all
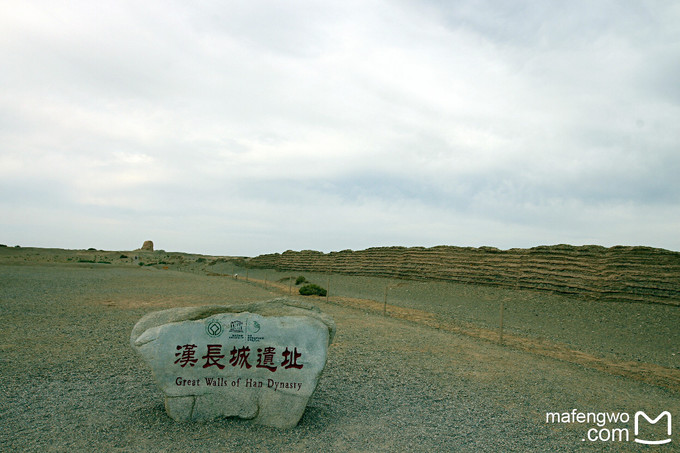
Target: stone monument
(260, 361)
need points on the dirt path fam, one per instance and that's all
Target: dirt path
(71, 382)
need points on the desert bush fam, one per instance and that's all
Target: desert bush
(200, 260)
(312, 290)
(300, 280)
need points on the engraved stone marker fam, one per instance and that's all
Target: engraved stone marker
(259, 361)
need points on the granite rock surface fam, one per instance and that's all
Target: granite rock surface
(259, 361)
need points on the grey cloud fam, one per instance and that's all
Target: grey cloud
(275, 27)
(408, 123)
(549, 25)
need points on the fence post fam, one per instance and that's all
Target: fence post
(500, 333)
(385, 301)
(328, 284)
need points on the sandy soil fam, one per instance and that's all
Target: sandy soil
(72, 382)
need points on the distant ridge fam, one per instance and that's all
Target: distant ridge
(621, 273)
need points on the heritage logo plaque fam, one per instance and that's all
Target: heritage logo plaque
(261, 361)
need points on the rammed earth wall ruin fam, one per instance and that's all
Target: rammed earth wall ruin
(633, 274)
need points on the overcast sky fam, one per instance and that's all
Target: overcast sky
(241, 128)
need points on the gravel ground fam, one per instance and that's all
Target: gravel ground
(71, 382)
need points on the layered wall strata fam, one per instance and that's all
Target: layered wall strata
(640, 274)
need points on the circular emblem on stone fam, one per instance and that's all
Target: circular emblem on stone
(214, 328)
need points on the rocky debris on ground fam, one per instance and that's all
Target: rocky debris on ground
(259, 361)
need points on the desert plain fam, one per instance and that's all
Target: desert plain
(416, 365)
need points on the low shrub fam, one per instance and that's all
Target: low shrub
(312, 290)
(300, 280)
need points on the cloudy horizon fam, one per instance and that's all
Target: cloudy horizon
(232, 128)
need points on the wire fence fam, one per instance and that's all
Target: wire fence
(630, 331)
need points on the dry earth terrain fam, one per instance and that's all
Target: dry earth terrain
(427, 376)
(619, 274)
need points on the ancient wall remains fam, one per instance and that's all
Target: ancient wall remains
(618, 273)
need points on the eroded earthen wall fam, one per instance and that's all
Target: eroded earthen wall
(619, 273)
